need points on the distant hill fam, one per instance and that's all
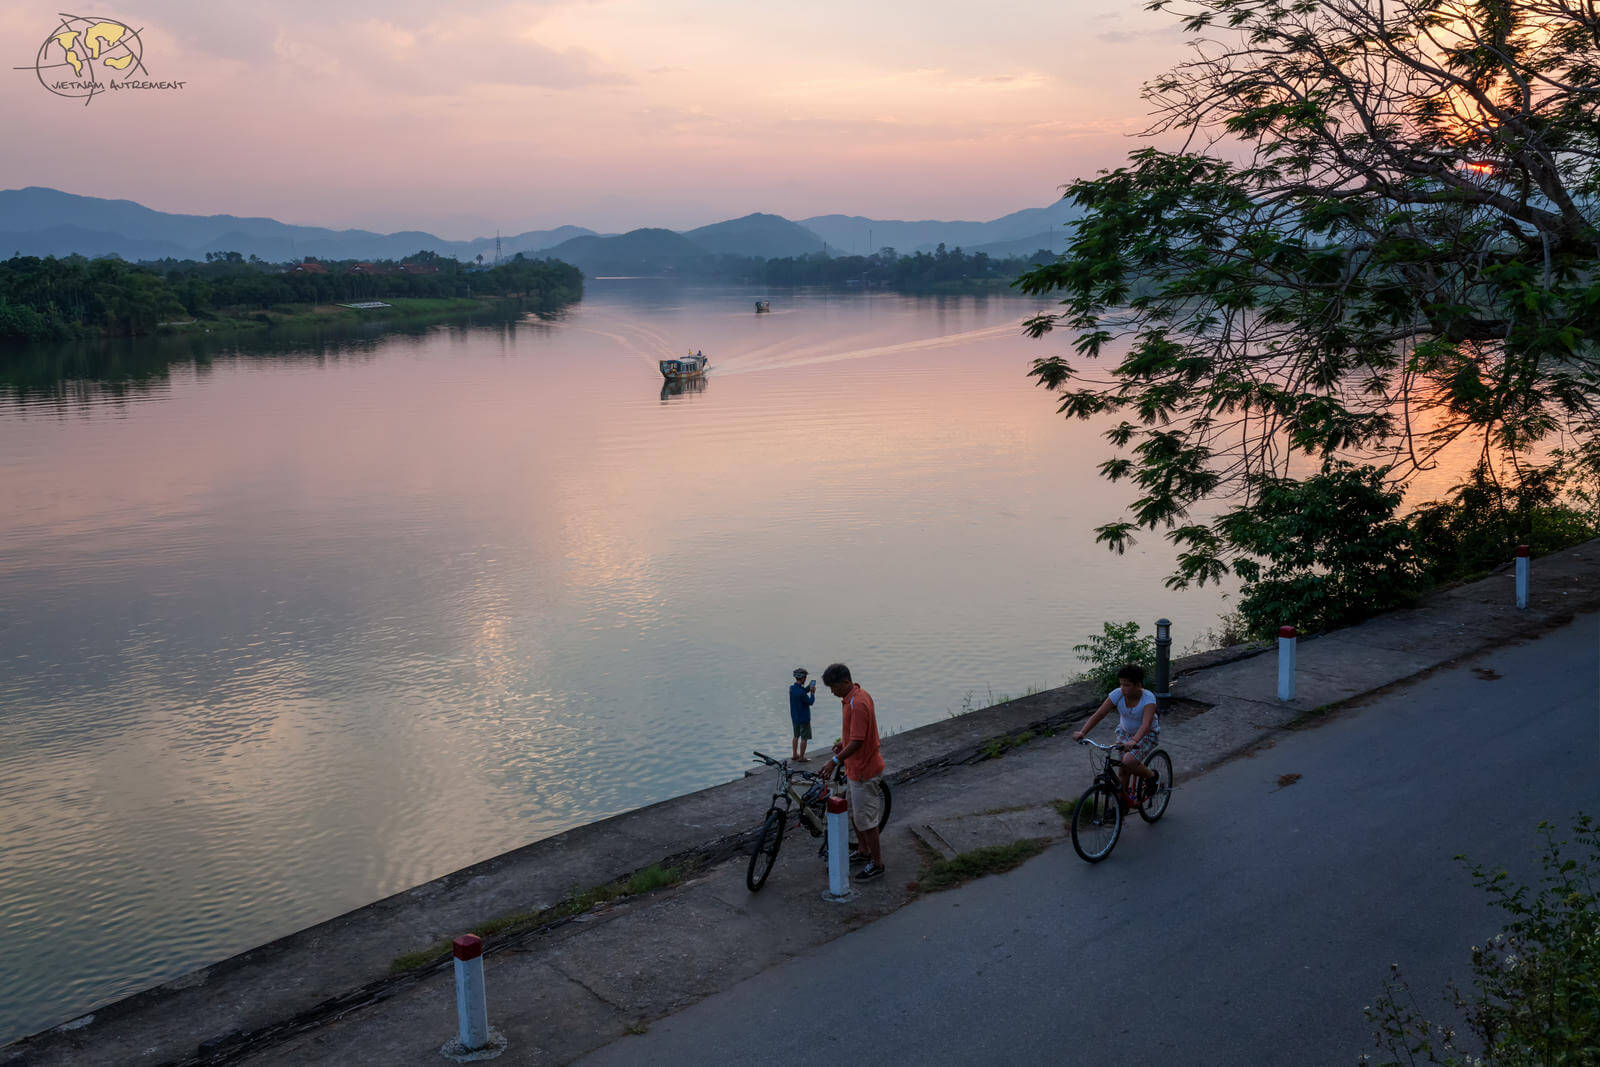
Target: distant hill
(851, 233)
(59, 240)
(40, 222)
(1053, 242)
(59, 224)
(767, 236)
(646, 251)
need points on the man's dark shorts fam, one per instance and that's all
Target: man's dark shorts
(802, 730)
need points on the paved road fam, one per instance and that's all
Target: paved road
(1249, 927)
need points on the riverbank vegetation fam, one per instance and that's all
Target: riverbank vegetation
(75, 297)
(942, 270)
(1401, 268)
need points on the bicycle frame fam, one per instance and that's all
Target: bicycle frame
(788, 800)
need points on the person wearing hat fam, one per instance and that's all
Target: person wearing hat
(801, 697)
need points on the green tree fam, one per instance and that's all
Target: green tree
(1378, 242)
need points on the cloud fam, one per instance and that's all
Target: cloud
(404, 47)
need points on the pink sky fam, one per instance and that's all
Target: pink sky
(610, 114)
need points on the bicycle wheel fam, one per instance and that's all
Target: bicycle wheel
(1096, 822)
(766, 851)
(1155, 807)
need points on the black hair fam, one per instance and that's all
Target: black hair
(1131, 672)
(836, 673)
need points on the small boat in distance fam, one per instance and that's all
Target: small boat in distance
(763, 305)
(690, 366)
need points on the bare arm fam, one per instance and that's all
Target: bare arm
(1144, 727)
(1101, 712)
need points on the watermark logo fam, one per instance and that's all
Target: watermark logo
(86, 56)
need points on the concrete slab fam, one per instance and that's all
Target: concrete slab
(951, 837)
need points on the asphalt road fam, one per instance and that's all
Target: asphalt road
(1250, 926)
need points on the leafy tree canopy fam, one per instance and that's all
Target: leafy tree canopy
(1376, 238)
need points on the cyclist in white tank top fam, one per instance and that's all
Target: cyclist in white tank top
(1138, 724)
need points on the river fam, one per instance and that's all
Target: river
(286, 627)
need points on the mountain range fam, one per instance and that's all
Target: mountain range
(37, 221)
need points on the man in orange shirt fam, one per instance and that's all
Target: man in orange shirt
(858, 754)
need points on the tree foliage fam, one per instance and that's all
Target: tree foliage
(1535, 993)
(1116, 646)
(75, 296)
(1374, 239)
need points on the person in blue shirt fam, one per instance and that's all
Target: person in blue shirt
(801, 697)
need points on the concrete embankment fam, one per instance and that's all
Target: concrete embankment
(558, 990)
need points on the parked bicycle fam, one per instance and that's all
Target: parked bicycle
(800, 799)
(1097, 817)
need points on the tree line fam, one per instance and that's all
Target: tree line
(940, 269)
(74, 296)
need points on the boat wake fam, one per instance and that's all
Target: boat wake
(783, 356)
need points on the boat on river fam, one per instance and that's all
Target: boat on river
(690, 366)
(763, 305)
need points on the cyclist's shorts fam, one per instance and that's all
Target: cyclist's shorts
(1144, 748)
(866, 802)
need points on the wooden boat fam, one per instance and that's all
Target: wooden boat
(690, 366)
(763, 305)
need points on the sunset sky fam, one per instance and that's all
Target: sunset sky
(610, 114)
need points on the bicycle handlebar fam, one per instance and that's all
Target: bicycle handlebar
(1105, 748)
(762, 757)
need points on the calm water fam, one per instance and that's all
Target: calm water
(284, 632)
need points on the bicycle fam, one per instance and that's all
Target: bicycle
(1097, 817)
(808, 806)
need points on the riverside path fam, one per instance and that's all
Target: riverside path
(1250, 926)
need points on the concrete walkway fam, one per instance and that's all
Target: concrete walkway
(324, 995)
(1250, 926)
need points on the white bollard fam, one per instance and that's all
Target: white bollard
(1523, 564)
(471, 1007)
(1287, 636)
(838, 851)
(476, 1041)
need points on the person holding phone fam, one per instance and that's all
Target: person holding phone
(801, 697)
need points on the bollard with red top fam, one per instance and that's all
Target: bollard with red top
(1287, 637)
(1523, 565)
(475, 1040)
(838, 851)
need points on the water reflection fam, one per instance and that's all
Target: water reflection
(682, 387)
(93, 371)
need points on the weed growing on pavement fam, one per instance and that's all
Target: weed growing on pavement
(947, 874)
(1064, 807)
(576, 902)
(996, 747)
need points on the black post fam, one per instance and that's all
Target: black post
(1163, 657)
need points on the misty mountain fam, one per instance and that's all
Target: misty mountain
(61, 240)
(38, 221)
(646, 251)
(850, 234)
(767, 236)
